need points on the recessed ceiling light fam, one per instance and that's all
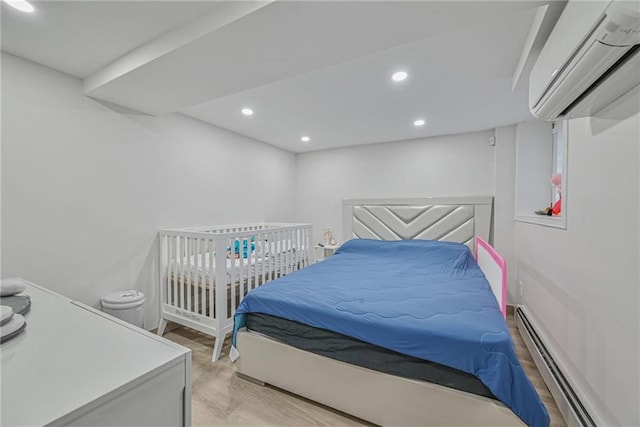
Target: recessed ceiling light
(305, 139)
(247, 111)
(419, 123)
(399, 76)
(21, 5)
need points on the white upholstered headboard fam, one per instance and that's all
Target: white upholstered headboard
(454, 219)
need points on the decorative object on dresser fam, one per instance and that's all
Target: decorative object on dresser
(14, 305)
(11, 324)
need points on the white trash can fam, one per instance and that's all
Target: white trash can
(125, 305)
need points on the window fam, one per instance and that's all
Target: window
(557, 161)
(541, 166)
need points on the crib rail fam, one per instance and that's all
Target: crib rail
(206, 271)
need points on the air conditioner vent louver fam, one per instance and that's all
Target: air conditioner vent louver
(626, 57)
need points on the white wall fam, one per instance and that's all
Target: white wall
(85, 189)
(459, 165)
(534, 164)
(504, 205)
(583, 283)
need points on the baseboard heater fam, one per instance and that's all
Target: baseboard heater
(568, 403)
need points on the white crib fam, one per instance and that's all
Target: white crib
(206, 271)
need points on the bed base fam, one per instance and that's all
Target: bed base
(373, 396)
(193, 261)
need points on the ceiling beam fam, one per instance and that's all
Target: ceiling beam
(223, 14)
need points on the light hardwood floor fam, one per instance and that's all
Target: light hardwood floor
(221, 398)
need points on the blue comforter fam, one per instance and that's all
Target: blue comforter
(422, 298)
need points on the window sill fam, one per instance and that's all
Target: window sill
(546, 221)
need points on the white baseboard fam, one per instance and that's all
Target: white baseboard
(570, 406)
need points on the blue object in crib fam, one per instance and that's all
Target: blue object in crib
(422, 298)
(245, 247)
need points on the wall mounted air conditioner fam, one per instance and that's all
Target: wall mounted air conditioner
(590, 59)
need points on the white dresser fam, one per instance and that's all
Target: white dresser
(75, 365)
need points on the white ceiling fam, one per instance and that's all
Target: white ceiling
(316, 68)
(80, 37)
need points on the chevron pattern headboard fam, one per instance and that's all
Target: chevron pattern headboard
(454, 219)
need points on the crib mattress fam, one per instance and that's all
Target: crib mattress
(350, 350)
(238, 268)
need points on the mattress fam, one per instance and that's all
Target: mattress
(350, 350)
(424, 299)
(251, 266)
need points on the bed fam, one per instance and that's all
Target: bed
(206, 271)
(401, 332)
